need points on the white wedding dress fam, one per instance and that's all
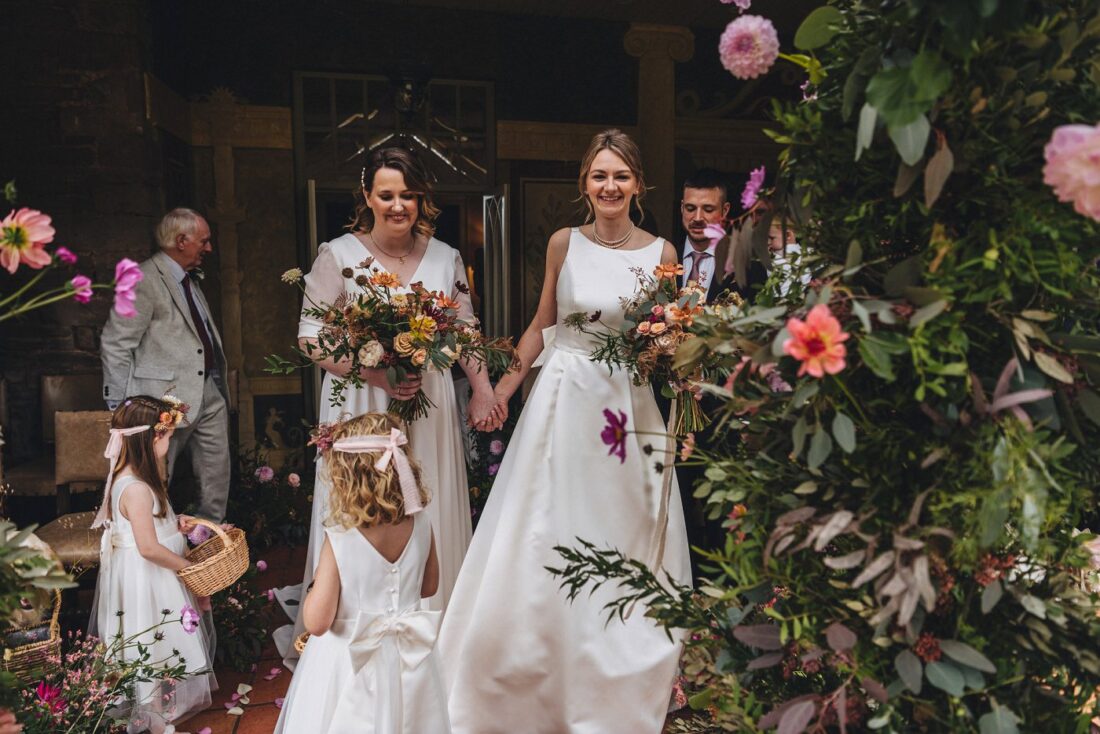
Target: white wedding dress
(516, 655)
(435, 440)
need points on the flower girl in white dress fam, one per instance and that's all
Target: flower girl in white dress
(369, 665)
(138, 594)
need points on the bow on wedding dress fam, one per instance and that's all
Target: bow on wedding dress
(413, 635)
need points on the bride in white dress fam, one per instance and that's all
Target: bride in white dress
(516, 655)
(394, 226)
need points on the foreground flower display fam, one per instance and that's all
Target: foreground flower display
(910, 494)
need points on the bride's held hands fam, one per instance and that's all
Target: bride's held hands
(481, 406)
(404, 390)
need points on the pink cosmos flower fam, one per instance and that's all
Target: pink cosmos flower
(23, 238)
(817, 342)
(752, 187)
(493, 469)
(189, 618)
(714, 232)
(1073, 167)
(261, 565)
(65, 255)
(82, 288)
(50, 695)
(749, 46)
(496, 447)
(127, 276)
(614, 434)
(265, 473)
(294, 480)
(270, 594)
(742, 4)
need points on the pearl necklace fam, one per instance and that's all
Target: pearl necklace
(399, 258)
(612, 244)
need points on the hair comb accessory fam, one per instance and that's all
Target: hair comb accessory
(390, 446)
(174, 416)
(114, 448)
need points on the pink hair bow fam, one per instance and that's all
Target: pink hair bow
(114, 448)
(390, 446)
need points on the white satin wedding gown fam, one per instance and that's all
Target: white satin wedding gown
(516, 655)
(434, 440)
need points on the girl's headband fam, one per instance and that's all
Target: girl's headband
(390, 446)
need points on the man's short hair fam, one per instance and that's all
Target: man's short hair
(708, 178)
(180, 220)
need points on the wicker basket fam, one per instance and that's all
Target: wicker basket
(217, 562)
(28, 659)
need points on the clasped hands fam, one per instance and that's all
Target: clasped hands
(487, 411)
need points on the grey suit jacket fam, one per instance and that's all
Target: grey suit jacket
(158, 350)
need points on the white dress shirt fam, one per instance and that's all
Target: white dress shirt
(706, 268)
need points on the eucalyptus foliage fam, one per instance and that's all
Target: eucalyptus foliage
(905, 548)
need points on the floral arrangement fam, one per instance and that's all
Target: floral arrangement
(657, 320)
(912, 518)
(241, 619)
(24, 234)
(80, 690)
(271, 505)
(403, 333)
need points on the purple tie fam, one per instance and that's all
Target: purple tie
(200, 327)
(696, 259)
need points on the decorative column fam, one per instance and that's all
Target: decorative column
(658, 48)
(221, 112)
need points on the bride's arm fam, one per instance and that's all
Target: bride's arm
(530, 344)
(482, 400)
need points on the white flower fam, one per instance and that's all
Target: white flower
(292, 276)
(370, 354)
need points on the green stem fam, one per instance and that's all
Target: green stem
(852, 401)
(23, 290)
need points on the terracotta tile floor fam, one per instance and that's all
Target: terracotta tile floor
(261, 713)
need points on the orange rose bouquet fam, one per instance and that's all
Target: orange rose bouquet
(402, 332)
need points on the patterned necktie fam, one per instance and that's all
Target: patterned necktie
(200, 327)
(696, 259)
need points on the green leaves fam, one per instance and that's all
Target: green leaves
(820, 448)
(902, 96)
(909, 670)
(844, 431)
(818, 28)
(946, 677)
(960, 652)
(910, 139)
(999, 721)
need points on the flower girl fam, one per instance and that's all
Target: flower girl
(141, 549)
(369, 665)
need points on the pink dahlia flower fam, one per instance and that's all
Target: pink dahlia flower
(82, 288)
(817, 342)
(1073, 167)
(23, 238)
(265, 473)
(753, 186)
(127, 276)
(749, 46)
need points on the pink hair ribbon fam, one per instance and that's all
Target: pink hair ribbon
(114, 448)
(390, 446)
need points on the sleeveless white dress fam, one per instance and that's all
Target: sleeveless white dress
(140, 590)
(435, 440)
(374, 671)
(516, 655)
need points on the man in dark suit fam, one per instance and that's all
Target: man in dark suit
(704, 202)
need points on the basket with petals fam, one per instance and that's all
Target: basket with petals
(216, 563)
(25, 655)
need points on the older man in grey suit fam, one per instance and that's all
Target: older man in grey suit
(173, 346)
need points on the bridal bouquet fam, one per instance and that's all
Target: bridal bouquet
(402, 333)
(657, 320)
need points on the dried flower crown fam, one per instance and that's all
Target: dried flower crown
(174, 416)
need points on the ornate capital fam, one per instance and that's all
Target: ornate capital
(666, 41)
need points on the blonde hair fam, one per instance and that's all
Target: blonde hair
(361, 495)
(417, 179)
(180, 220)
(621, 145)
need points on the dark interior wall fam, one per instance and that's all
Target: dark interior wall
(548, 69)
(76, 143)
